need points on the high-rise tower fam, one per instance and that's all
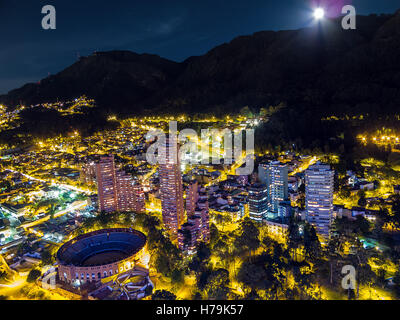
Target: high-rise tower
(171, 186)
(258, 202)
(319, 197)
(192, 196)
(106, 184)
(277, 184)
(117, 191)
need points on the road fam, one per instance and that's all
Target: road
(78, 206)
(60, 185)
(304, 166)
(15, 284)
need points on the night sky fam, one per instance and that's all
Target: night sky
(174, 29)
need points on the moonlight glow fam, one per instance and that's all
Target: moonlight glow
(319, 13)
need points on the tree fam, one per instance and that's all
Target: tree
(150, 223)
(365, 276)
(332, 250)
(187, 237)
(33, 275)
(381, 276)
(362, 225)
(218, 218)
(344, 193)
(245, 111)
(217, 284)
(263, 112)
(197, 296)
(163, 295)
(203, 252)
(165, 256)
(177, 276)
(248, 240)
(3, 275)
(195, 265)
(105, 219)
(252, 295)
(252, 275)
(127, 218)
(47, 257)
(5, 186)
(214, 234)
(202, 277)
(312, 245)
(396, 281)
(294, 238)
(362, 202)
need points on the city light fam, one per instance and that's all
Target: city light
(319, 13)
(244, 173)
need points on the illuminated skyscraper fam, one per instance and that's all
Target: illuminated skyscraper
(197, 227)
(258, 202)
(126, 197)
(195, 230)
(205, 223)
(277, 185)
(189, 234)
(140, 201)
(319, 197)
(262, 172)
(117, 191)
(202, 209)
(171, 186)
(192, 196)
(130, 196)
(106, 184)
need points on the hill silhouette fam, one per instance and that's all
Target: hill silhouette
(322, 68)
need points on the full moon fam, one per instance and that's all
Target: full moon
(319, 13)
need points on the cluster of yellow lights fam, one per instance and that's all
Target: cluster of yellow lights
(381, 139)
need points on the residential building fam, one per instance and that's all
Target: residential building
(258, 202)
(277, 185)
(171, 189)
(319, 198)
(117, 191)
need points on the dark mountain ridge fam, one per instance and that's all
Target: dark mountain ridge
(322, 68)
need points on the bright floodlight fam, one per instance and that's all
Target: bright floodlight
(319, 13)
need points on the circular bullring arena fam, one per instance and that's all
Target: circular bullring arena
(99, 254)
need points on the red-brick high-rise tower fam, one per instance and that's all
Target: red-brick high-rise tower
(117, 191)
(106, 184)
(171, 186)
(192, 195)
